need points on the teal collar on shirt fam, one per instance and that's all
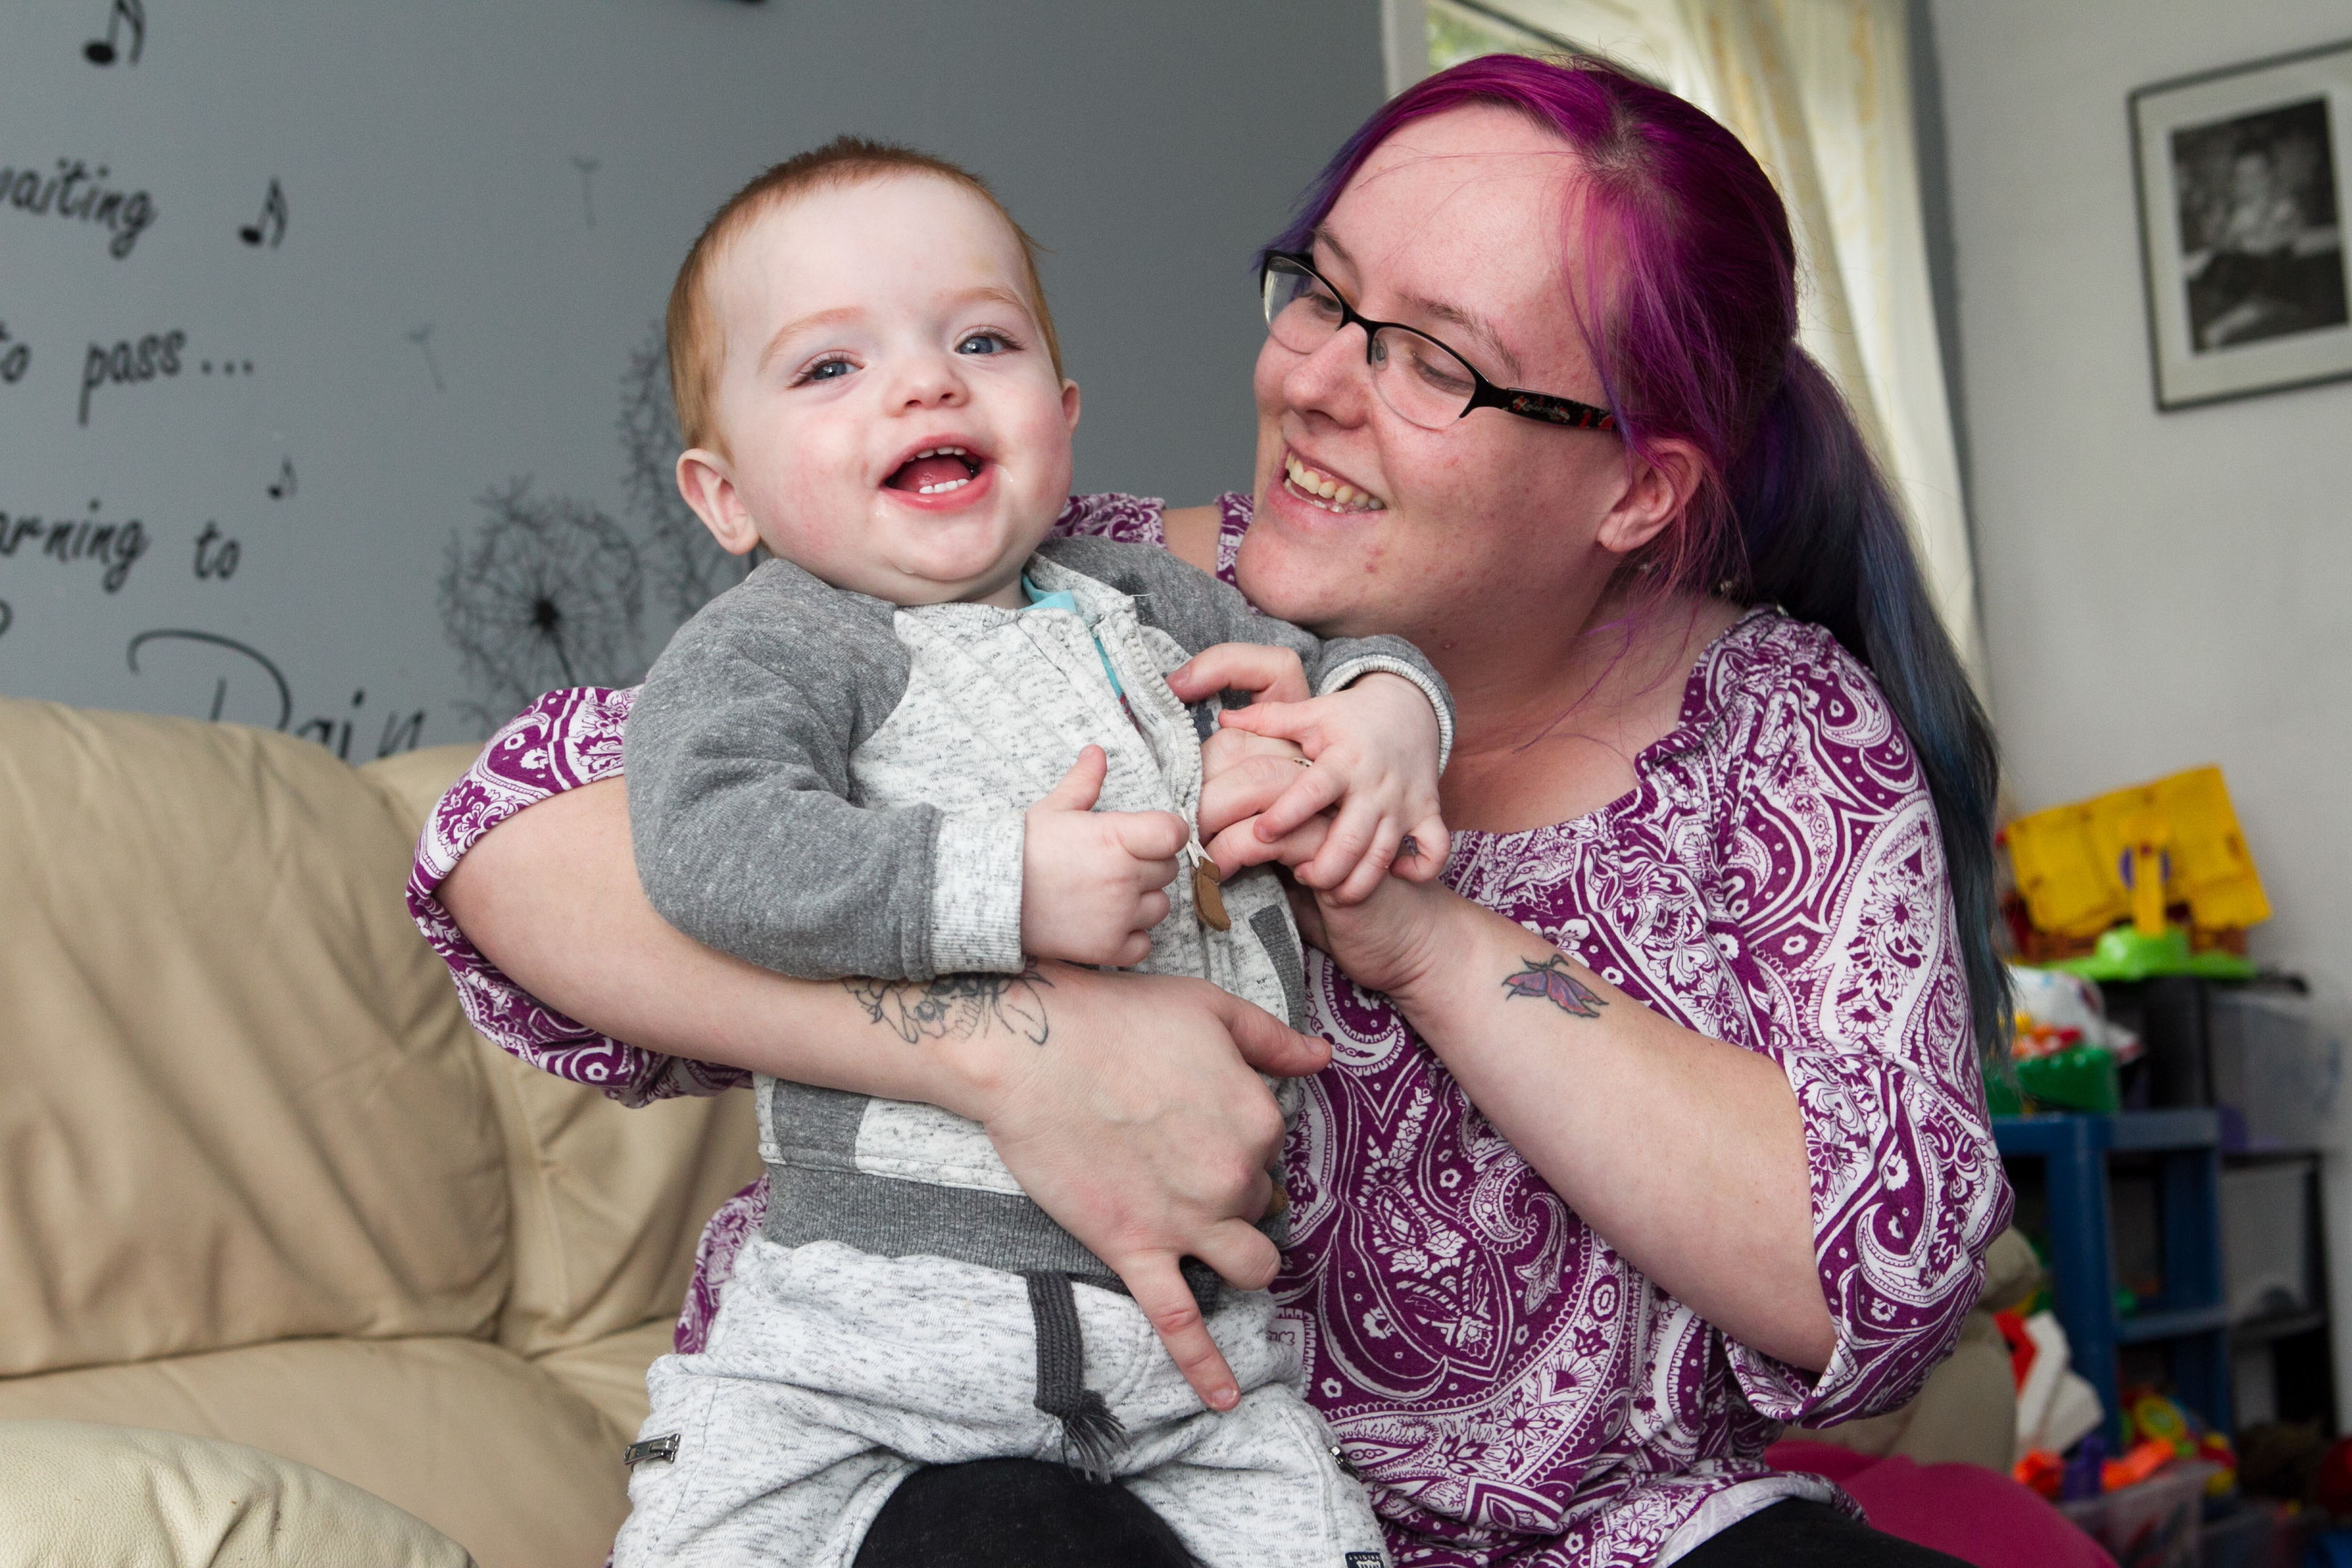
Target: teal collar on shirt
(1064, 600)
(1041, 600)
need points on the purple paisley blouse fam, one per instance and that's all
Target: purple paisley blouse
(1510, 1389)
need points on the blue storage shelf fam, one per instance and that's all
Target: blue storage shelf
(2191, 1318)
(2146, 1327)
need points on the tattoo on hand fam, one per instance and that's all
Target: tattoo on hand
(956, 1007)
(1552, 981)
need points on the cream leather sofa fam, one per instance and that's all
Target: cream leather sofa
(264, 1197)
(259, 1184)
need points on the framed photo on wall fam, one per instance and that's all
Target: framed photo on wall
(2243, 176)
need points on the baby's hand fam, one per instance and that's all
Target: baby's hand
(1373, 749)
(1091, 880)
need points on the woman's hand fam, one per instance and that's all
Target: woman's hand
(1389, 942)
(1139, 1124)
(1125, 1104)
(1241, 775)
(1376, 749)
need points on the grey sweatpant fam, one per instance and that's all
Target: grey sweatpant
(832, 1373)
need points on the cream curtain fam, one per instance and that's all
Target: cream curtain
(1821, 92)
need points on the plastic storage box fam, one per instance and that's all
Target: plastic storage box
(2247, 1539)
(2156, 1525)
(2266, 1240)
(2259, 1535)
(2278, 1059)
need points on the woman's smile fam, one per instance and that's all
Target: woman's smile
(1319, 487)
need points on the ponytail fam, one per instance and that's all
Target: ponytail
(1826, 542)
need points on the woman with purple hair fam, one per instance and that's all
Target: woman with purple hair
(1656, 1123)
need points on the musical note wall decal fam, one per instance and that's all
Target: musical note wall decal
(272, 220)
(587, 166)
(285, 485)
(423, 338)
(105, 51)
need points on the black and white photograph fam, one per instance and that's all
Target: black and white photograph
(2241, 202)
(2261, 249)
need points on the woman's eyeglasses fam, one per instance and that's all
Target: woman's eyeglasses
(1419, 378)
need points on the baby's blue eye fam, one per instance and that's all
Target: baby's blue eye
(983, 343)
(831, 370)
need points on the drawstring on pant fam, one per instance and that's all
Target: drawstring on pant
(1091, 1436)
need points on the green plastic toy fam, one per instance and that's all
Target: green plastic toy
(2124, 954)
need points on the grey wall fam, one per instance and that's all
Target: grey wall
(2159, 589)
(426, 153)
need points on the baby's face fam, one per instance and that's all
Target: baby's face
(2250, 177)
(866, 327)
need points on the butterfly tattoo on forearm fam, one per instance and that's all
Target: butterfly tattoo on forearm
(1552, 981)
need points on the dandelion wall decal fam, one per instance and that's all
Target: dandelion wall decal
(548, 594)
(423, 338)
(684, 564)
(588, 167)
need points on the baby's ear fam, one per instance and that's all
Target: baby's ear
(703, 481)
(1070, 404)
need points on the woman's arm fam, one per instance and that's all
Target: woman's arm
(1837, 1169)
(1685, 1154)
(1124, 1104)
(1688, 1154)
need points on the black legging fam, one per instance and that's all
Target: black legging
(1016, 1513)
(1025, 1513)
(1800, 1534)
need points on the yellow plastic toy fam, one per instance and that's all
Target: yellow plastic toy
(2127, 855)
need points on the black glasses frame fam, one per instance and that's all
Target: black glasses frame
(1545, 407)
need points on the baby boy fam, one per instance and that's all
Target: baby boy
(924, 744)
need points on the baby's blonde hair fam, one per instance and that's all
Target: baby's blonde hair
(696, 346)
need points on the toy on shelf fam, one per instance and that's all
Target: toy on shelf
(2140, 1461)
(2157, 1433)
(2065, 1050)
(2138, 882)
(2154, 1420)
(2056, 1407)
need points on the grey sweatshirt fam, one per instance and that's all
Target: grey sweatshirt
(828, 785)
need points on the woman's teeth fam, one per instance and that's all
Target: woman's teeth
(1317, 486)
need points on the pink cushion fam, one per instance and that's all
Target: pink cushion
(1978, 1515)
